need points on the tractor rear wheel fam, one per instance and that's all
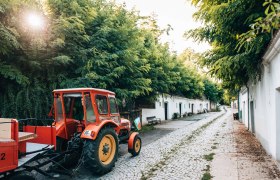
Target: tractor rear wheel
(69, 160)
(61, 144)
(75, 144)
(137, 143)
(101, 154)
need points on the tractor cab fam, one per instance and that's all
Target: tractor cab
(88, 119)
(75, 109)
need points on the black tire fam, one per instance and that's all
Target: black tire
(91, 154)
(137, 145)
(22, 175)
(61, 144)
(76, 144)
(69, 160)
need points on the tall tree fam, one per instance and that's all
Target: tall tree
(233, 65)
(84, 43)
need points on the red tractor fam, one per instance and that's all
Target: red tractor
(87, 127)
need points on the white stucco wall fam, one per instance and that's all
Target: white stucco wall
(173, 103)
(265, 95)
(244, 106)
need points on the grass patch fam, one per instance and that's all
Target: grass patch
(207, 168)
(209, 157)
(206, 176)
(147, 128)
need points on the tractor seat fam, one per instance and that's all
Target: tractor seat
(24, 136)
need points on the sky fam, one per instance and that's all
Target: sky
(177, 13)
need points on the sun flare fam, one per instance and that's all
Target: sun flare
(35, 21)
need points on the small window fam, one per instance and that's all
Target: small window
(159, 103)
(189, 105)
(73, 106)
(58, 113)
(67, 106)
(89, 110)
(113, 105)
(78, 109)
(102, 105)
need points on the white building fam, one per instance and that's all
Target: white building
(167, 105)
(260, 105)
(234, 104)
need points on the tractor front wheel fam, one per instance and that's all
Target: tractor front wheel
(101, 154)
(137, 143)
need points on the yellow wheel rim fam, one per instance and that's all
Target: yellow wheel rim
(107, 149)
(137, 145)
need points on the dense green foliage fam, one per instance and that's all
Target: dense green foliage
(262, 25)
(212, 92)
(225, 21)
(85, 43)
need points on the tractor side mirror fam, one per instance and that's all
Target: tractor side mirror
(137, 123)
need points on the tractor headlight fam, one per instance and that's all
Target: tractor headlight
(89, 133)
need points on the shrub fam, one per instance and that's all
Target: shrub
(175, 116)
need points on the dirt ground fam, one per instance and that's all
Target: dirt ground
(251, 154)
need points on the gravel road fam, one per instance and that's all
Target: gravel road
(215, 147)
(177, 155)
(174, 150)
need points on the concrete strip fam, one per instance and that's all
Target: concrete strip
(174, 124)
(224, 167)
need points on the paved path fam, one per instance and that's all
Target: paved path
(174, 124)
(165, 128)
(185, 121)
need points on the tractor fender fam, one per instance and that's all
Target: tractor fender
(131, 139)
(71, 125)
(91, 131)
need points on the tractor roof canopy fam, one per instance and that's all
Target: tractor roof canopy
(79, 90)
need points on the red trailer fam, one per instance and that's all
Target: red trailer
(19, 148)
